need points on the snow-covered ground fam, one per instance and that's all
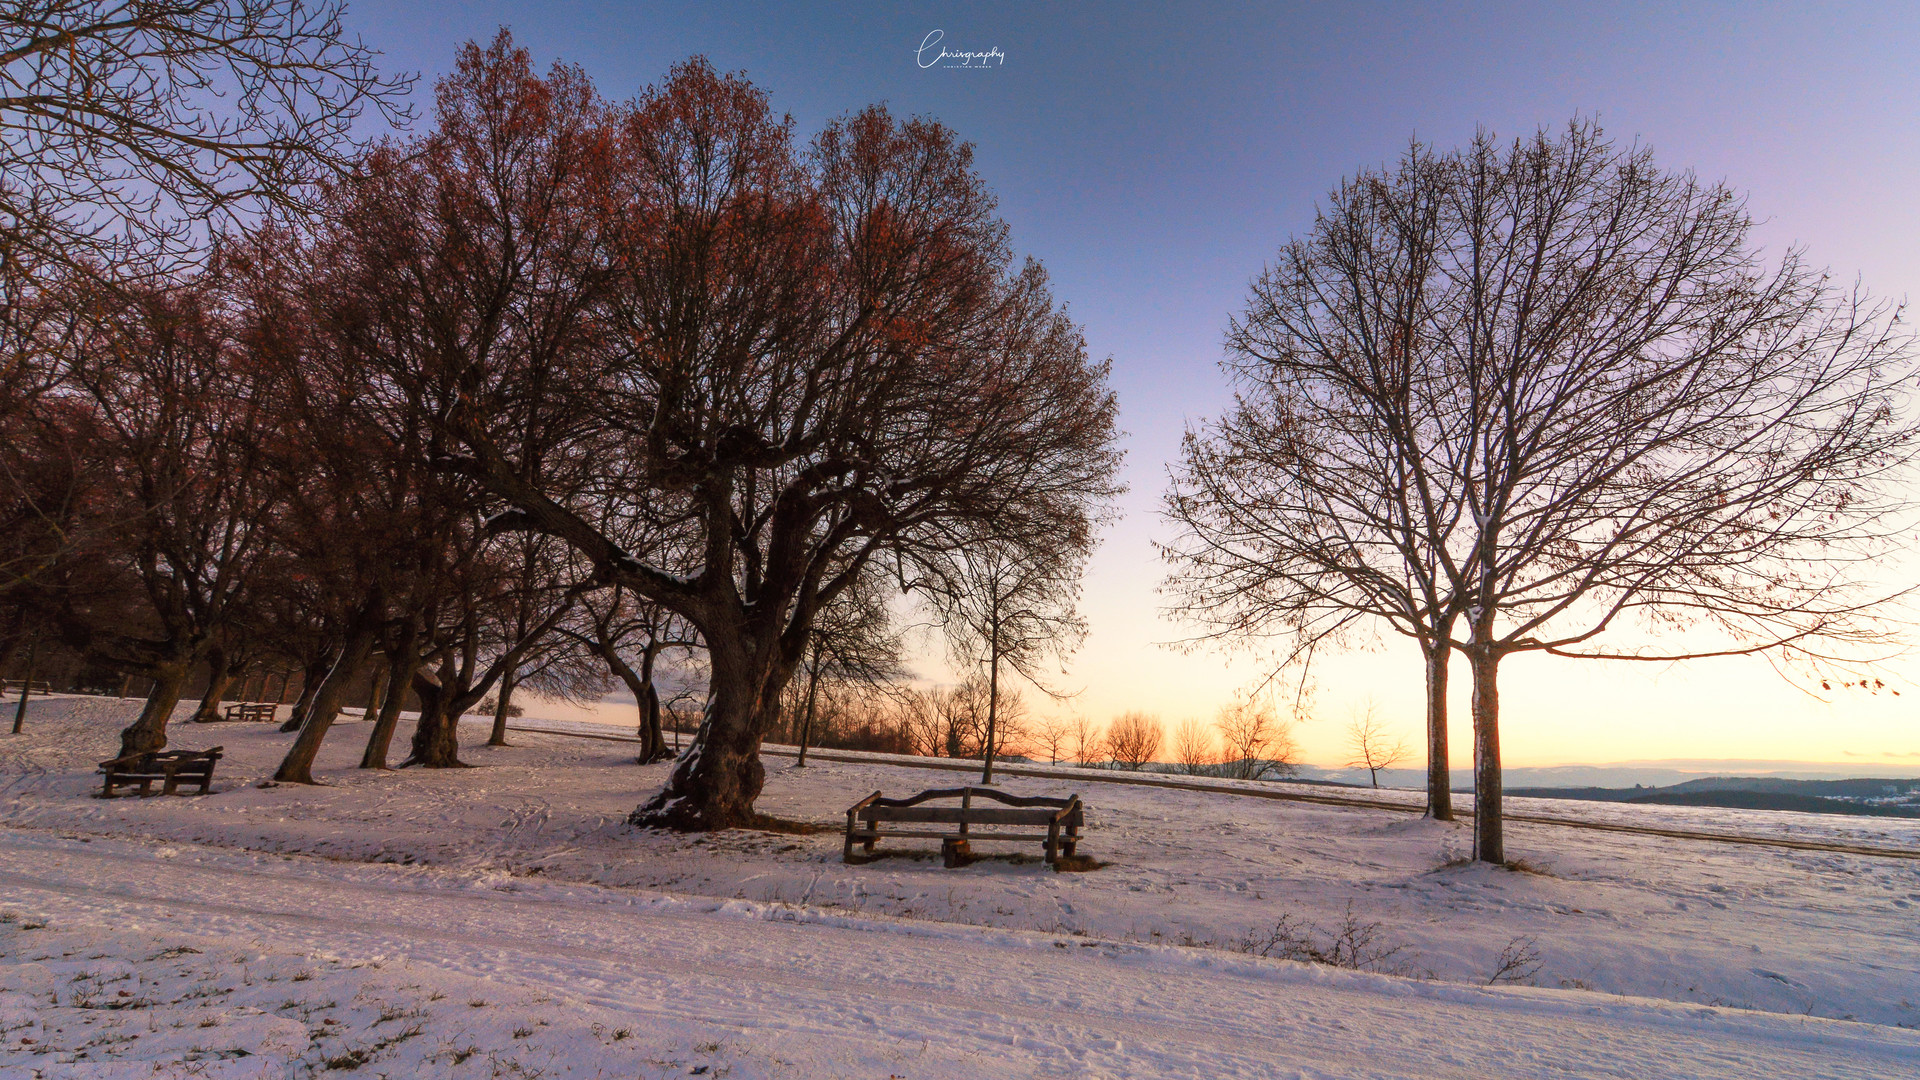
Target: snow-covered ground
(749, 954)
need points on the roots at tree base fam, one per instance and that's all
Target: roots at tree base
(707, 791)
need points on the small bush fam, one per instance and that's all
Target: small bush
(1353, 944)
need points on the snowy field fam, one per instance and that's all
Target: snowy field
(502, 921)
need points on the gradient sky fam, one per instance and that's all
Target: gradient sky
(1154, 157)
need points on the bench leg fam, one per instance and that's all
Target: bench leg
(1053, 842)
(955, 853)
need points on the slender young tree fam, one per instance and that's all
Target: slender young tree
(1015, 609)
(1372, 746)
(852, 644)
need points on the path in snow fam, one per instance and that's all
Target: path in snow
(944, 1001)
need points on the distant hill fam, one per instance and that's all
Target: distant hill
(1868, 797)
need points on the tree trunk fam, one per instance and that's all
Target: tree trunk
(1439, 777)
(26, 685)
(11, 643)
(653, 741)
(399, 678)
(436, 738)
(993, 713)
(324, 706)
(646, 699)
(280, 695)
(376, 685)
(717, 779)
(310, 680)
(1489, 841)
(806, 723)
(219, 677)
(507, 682)
(149, 732)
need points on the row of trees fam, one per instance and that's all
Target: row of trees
(558, 392)
(1520, 396)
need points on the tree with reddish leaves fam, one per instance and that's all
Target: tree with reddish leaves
(167, 412)
(814, 361)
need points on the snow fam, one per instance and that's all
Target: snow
(757, 954)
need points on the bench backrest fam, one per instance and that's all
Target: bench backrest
(183, 761)
(1014, 809)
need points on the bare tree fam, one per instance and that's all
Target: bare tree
(1317, 507)
(1630, 418)
(1193, 747)
(1373, 747)
(1012, 607)
(1257, 741)
(634, 638)
(128, 116)
(1133, 739)
(851, 644)
(1672, 433)
(1052, 734)
(1088, 738)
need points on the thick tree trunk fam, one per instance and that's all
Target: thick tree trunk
(26, 687)
(219, 677)
(1489, 840)
(325, 705)
(310, 681)
(1439, 777)
(436, 738)
(717, 779)
(499, 736)
(380, 740)
(149, 732)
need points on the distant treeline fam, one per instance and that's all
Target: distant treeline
(1863, 797)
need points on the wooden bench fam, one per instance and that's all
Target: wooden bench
(22, 686)
(171, 767)
(252, 711)
(1061, 818)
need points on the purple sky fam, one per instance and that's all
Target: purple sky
(1154, 157)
